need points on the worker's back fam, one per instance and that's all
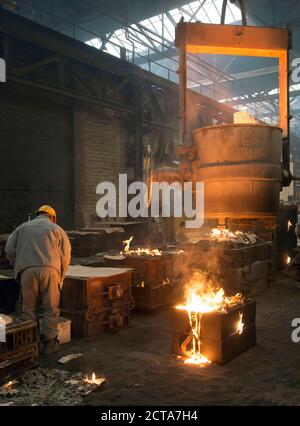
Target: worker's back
(38, 243)
(40, 252)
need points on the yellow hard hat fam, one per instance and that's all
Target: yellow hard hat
(47, 209)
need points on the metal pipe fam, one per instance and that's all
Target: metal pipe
(182, 89)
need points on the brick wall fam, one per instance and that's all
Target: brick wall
(36, 159)
(101, 142)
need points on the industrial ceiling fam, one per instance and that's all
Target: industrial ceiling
(142, 32)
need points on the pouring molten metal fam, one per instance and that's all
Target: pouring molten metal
(202, 296)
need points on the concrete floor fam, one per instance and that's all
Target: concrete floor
(139, 369)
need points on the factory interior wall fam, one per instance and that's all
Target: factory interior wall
(36, 159)
(102, 139)
(56, 151)
(57, 154)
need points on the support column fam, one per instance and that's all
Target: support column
(138, 136)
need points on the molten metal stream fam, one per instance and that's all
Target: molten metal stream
(195, 356)
(202, 297)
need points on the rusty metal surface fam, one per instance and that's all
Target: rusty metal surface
(153, 298)
(240, 165)
(150, 270)
(145, 269)
(220, 341)
(96, 304)
(231, 143)
(156, 279)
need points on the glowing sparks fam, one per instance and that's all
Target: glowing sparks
(289, 225)
(240, 326)
(139, 251)
(288, 260)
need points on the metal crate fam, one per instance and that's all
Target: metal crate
(20, 350)
(144, 268)
(96, 299)
(155, 297)
(220, 340)
(156, 280)
(84, 325)
(246, 268)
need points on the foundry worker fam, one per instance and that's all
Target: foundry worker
(39, 250)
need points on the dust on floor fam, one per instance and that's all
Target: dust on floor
(139, 369)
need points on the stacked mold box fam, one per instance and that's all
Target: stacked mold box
(156, 279)
(248, 268)
(19, 351)
(96, 299)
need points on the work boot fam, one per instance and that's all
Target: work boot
(50, 346)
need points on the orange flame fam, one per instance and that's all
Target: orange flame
(201, 297)
(94, 380)
(139, 251)
(127, 244)
(9, 384)
(240, 326)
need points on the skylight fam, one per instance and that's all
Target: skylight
(158, 32)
